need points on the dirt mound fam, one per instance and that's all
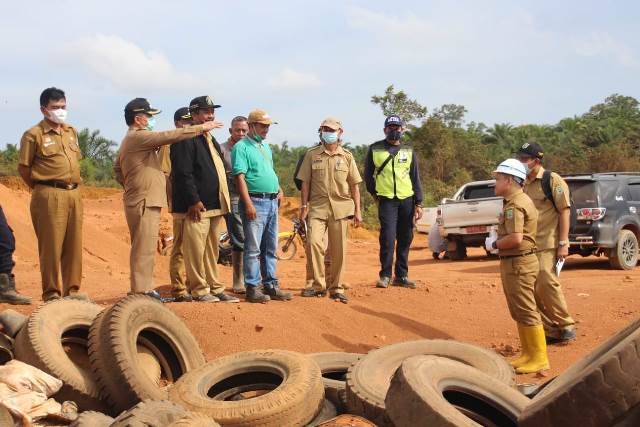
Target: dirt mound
(17, 184)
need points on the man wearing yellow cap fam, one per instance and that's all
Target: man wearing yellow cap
(329, 199)
(260, 193)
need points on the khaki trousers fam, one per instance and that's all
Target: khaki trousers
(309, 265)
(200, 249)
(336, 247)
(176, 261)
(56, 215)
(518, 282)
(550, 298)
(143, 223)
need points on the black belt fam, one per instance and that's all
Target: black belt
(531, 252)
(269, 196)
(58, 184)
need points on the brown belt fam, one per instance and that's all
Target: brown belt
(58, 184)
(531, 252)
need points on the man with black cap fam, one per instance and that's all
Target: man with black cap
(201, 198)
(550, 195)
(392, 178)
(138, 169)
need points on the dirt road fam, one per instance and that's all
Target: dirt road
(454, 300)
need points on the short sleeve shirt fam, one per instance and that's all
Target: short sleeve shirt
(330, 177)
(51, 154)
(255, 161)
(519, 215)
(547, 234)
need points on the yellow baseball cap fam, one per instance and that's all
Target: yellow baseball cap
(332, 122)
(260, 116)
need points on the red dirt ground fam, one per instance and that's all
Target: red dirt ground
(454, 300)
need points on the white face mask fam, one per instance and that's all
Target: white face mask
(57, 116)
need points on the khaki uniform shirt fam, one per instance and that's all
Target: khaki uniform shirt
(547, 235)
(165, 159)
(330, 177)
(519, 215)
(138, 166)
(51, 154)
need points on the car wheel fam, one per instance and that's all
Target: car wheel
(625, 255)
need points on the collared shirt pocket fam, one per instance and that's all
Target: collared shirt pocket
(318, 167)
(50, 147)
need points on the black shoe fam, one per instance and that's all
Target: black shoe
(276, 294)
(183, 298)
(403, 282)
(226, 298)
(340, 298)
(383, 282)
(565, 338)
(313, 293)
(206, 298)
(254, 294)
(156, 295)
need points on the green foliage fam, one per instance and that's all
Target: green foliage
(399, 103)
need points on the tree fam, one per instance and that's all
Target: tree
(451, 115)
(398, 103)
(95, 146)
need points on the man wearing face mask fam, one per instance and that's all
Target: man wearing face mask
(260, 194)
(392, 178)
(330, 198)
(201, 198)
(50, 165)
(552, 240)
(138, 169)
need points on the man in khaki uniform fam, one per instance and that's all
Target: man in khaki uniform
(138, 169)
(330, 197)
(201, 199)
(49, 164)
(516, 247)
(181, 118)
(552, 240)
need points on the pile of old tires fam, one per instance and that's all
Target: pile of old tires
(137, 364)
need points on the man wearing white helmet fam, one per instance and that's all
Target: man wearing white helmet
(516, 247)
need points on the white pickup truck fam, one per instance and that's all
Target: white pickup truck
(467, 218)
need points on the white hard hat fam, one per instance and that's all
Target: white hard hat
(512, 167)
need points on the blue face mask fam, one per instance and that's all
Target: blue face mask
(329, 137)
(151, 123)
(394, 135)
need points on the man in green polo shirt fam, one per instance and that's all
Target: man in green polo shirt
(259, 190)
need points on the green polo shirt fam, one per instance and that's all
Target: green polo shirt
(255, 161)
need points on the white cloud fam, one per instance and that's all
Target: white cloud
(603, 44)
(292, 79)
(127, 66)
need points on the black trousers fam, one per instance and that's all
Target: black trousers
(7, 245)
(396, 230)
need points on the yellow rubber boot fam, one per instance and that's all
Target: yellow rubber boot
(524, 356)
(537, 349)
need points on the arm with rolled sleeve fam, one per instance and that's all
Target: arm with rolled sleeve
(182, 157)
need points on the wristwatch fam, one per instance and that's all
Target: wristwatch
(562, 243)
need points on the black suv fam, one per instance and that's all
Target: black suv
(605, 216)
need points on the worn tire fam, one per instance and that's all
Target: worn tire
(435, 391)
(91, 419)
(150, 413)
(327, 411)
(52, 329)
(368, 379)
(596, 390)
(625, 255)
(295, 399)
(6, 419)
(114, 338)
(347, 420)
(291, 250)
(459, 251)
(194, 419)
(334, 367)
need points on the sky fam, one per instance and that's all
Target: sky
(515, 62)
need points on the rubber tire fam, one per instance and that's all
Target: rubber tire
(150, 413)
(331, 362)
(6, 419)
(291, 251)
(114, 359)
(194, 419)
(596, 390)
(416, 395)
(460, 251)
(347, 420)
(617, 261)
(39, 343)
(295, 402)
(369, 378)
(327, 411)
(91, 419)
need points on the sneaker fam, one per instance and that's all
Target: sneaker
(81, 296)
(50, 298)
(276, 294)
(383, 282)
(239, 290)
(226, 298)
(183, 298)
(404, 282)
(565, 337)
(313, 293)
(254, 294)
(340, 298)
(206, 298)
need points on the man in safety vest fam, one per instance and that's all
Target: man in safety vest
(392, 178)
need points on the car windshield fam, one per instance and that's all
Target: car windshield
(479, 192)
(583, 193)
